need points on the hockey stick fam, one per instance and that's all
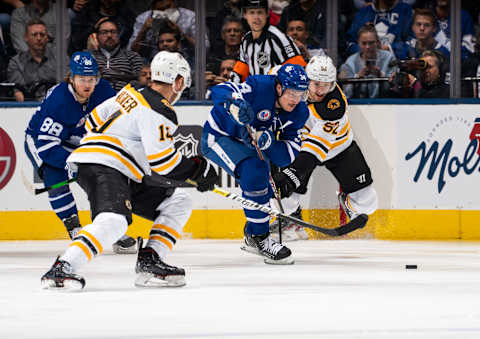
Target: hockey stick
(35, 191)
(353, 225)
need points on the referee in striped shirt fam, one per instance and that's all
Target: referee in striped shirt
(264, 46)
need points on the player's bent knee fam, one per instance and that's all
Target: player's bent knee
(109, 226)
(253, 172)
(364, 200)
(175, 210)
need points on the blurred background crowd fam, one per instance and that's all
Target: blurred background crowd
(384, 48)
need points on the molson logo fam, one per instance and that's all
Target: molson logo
(439, 158)
(7, 158)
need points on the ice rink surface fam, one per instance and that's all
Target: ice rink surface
(336, 289)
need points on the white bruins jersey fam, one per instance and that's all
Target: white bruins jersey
(328, 130)
(131, 132)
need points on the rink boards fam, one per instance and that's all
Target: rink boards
(424, 159)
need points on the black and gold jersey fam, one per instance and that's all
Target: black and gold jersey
(328, 130)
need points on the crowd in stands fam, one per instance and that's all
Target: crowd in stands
(377, 41)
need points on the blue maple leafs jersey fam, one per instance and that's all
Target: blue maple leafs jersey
(259, 91)
(393, 26)
(58, 124)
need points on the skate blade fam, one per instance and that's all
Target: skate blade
(250, 250)
(151, 280)
(124, 250)
(69, 285)
(285, 261)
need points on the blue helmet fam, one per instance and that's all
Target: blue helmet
(83, 63)
(292, 76)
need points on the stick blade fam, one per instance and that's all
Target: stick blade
(358, 222)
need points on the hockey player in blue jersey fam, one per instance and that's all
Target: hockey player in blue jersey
(57, 127)
(273, 106)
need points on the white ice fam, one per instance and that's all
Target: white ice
(336, 289)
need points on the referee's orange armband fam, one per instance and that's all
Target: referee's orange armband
(241, 69)
(297, 60)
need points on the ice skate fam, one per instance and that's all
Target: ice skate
(345, 204)
(290, 230)
(153, 272)
(125, 245)
(265, 246)
(72, 224)
(61, 277)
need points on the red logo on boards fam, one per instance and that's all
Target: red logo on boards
(7, 158)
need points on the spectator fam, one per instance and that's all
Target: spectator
(170, 39)
(369, 62)
(313, 13)
(145, 30)
(392, 20)
(264, 46)
(44, 10)
(442, 11)
(84, 23)
(276, 10)
(6, 9)
(297, 30)
(471, 68)
(116, 64)
(359, 4)
(430, 82)
(224, 73)
(5, 91)
(231, 8)
(424, 27)
(232, 34)
(145, 75)
(34, 70)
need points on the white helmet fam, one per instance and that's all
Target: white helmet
(321, 68)
(167, 66)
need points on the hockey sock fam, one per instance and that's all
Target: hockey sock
(62, 202)
(253, 174)
(106, 228)
(173, 214)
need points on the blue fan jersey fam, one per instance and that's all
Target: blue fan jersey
(393, 26)
(58, 125)
(259, 91)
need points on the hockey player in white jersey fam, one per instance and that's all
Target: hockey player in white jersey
(328, 142)
(129, 137)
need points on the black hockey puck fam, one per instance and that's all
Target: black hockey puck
(411, 267)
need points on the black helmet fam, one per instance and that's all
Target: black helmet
(254, 4)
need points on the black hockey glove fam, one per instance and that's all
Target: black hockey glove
(205, 176)
(286, 181)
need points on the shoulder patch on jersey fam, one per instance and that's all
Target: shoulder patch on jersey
(333, 104)
(264, 115)
(159, 104)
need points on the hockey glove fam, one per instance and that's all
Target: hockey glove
(72, 169)
(265, 139)
(286, 181)
(240, 110)
(205, 176)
